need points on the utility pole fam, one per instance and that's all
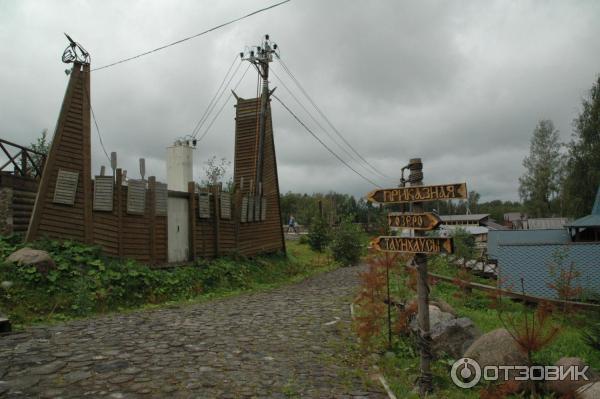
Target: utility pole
(260, 57)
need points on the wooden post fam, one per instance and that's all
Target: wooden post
(192, 211)
(151, 203)
(424, 338)
(119, 208)
(216, 191)
(86, 171)
(24, 166)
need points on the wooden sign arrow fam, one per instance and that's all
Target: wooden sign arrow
(417, 221)
(403, 195)
(422, 245)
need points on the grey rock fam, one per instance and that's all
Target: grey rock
(34, 257)
(589, 391)
(568, 386)
(454, 336)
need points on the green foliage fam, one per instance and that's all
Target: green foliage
(41, 145)
(583, 164)
(539, 186)
(348, 244)
(319, 235)
(305, 208)
(84, 282)
(464, 244)
(401, 370)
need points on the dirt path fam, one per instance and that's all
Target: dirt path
(282, 343)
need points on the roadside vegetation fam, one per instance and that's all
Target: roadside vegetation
(560, 332)
(84, 282)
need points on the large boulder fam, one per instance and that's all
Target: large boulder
(443, 306)
(496, 348)
(453, 336)
(33, 257)
(449, 335)
(589, 391)
(568, 386)
(435, 316)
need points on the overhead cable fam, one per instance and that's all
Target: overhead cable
(217, 96)
(223, 105)
(291, 75)
(190, 37)
(325, 145)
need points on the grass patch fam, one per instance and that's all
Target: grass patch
(86, 283)
(401, 366)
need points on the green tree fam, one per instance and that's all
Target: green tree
(347, 245)
(473, 201)
(583, 162)
(539, 186)
(464, 244)
(42, 146)
(318, 234)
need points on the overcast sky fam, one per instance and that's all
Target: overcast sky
(459, 84)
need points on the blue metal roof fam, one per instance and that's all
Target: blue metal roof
(532, 262)
(499, 237)
(591, 220)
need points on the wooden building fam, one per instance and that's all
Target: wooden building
(130, 219)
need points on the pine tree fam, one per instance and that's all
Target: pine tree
(583, 165)
(539, 186)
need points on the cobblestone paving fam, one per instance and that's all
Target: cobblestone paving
(276, 344)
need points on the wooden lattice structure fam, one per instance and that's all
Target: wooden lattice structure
(130, 219)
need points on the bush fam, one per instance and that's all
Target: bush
(464, 244)
(319, 235)
(347, 244)
(86, 282)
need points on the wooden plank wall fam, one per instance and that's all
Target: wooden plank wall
(21, 192)
(143, 237)
(139, 237)
(70, 151)
(260, 236)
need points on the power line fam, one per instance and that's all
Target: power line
(287, 70)
(323, 144)
(220, 95)
(318, 123)
(216, 99)
(87, 93)
(190, 37)
(206, 111)
(223, 106)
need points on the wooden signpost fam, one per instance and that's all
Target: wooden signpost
(418, 244)
(415, 221)
(405, 195)
(415, 245)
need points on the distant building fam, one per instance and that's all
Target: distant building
(545, 223)
(514, 220)
(587, 228)
(478, 225)
(537, 254)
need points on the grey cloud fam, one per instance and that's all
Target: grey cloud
(461, 84)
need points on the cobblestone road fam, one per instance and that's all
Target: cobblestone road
(275, 344)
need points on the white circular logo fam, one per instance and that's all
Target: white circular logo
(465, 372)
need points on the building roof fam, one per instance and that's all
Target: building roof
(546, 223)
(492, 225)
(475, 217)
(532, 263)
(503, 237)
(470, 229)
(591, 220)
(512, 216)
